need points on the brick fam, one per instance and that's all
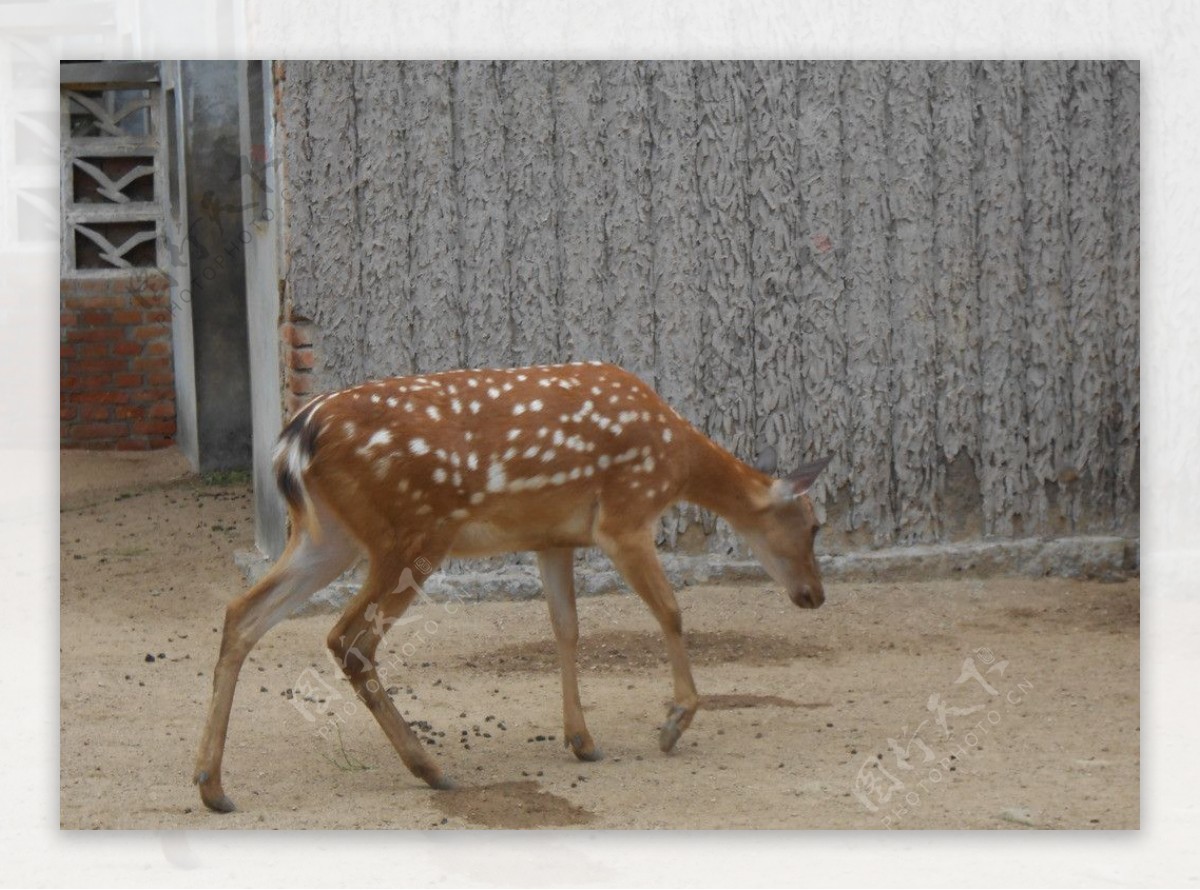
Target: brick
(72, 385)
(67, 412)
(92, 413)
(68, 319)
(111, 397)
(300, 383)
(127, 380)
(297, 333)
(302, 359)
(151, 363)
(158, 347)
(66, 350)
(128, 347)
(129, 412)
(160, 378)
(162, 410)
(101, 349)
(157, 315)
(99, 365)
(92, 335)
(157, 394)
(145, 332)
(153, 298)
(128, 316)
(154, 427)
(99, 430)
(91, 301)
(97, 317)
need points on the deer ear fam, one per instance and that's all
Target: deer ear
(800, 480)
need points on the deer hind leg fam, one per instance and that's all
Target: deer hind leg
(387, 593)
(636, 559)
(303, 569)
(558, 578)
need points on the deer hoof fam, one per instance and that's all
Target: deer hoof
(672, 729)
(218, 804)
(443, 783)
(585, 750)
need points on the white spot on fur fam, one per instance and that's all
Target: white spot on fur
(543, 432)
(513, 435)
(375, 398)
(535, 405)
(493, 392)
(424, 509)
(595, 390)
(589, 470)
(510, 454)
(603, 461)
(458, 514)
(531, 452)
(558, 437)
(408, 406)
(666, 434)
(392, 402)
(474, 406)
(521, 377)
(418, 446)
(549, 455)
(559, 478)
(456, 478)
(348, 428)
(546, 381)
(456, 406)
(380, 437)
(433, 413)
(471, 381)
(477, 498)
(439, 475)
(472, 461)
(496, 477)
(518, 409)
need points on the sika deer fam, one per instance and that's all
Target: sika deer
(482, 462)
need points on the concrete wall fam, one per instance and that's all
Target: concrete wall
(928, 270)
(208, 293)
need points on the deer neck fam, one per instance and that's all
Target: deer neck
(732, 489)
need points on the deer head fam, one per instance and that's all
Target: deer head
(782, 533)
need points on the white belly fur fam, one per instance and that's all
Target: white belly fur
(494, 536)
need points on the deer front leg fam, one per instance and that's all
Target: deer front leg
(636, 559)
(558, 578)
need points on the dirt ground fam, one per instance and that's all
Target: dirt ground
(997, 703)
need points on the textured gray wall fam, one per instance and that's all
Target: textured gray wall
(929, 270)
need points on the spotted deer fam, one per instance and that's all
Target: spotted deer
(411, 470)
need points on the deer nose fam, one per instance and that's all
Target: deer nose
(808, 596)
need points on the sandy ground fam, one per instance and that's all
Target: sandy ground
(997, 703)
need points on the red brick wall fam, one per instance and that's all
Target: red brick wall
(116, 381)
(298, 386)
